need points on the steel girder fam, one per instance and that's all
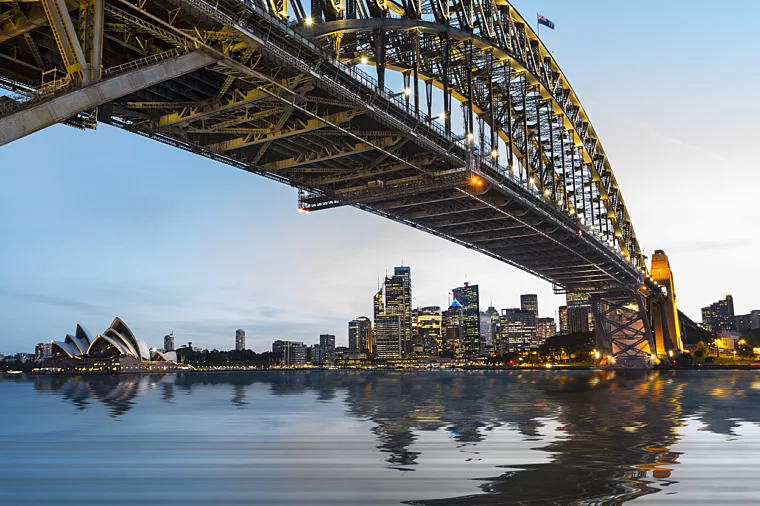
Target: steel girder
(517, 90)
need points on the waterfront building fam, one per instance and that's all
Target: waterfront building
(398, 301)
(327, 343)
(169, 342)
(563, 320)
(388, 336)
(115, 350)
(428, 329)
(452, 331)
(719, 315)
(239, 339)
(489, 324)
(750, 321)
(289, 352)
(314, 355)
(360, 335)
(469, 297)
(43, 350)
(545, 329)
(529, 302)
(577, 319)
(581, 300)
(517, 329)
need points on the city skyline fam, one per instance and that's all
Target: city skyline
(190, 232)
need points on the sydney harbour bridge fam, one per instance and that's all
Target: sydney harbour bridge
(448, 116)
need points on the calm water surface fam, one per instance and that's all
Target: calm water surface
(339, 437)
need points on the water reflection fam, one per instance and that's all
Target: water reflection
(614, 434)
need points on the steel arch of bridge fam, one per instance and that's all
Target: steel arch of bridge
(239, 83)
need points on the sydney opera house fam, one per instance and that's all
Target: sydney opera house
(115, 350)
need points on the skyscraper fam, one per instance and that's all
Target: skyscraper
(398, 301)
(581, 300)
(452, 331)
(577, 319)
(239, 340)
(360, 335)
(468, 296)
(388, 336)
(563, 319)
(327, 343)
(429, 329)
(529, 302)
(518, 329)
(719, 315)
(169, 342)
(489, 325)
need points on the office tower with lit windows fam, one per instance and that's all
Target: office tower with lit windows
(545, 329)
(360, 335)
(581, 300)
(577, 319)
(428, 329)
(388, 336)
(489, 324)
(169, 342)
(563, 320)
(452, 331)
(469, 297)
(327, 343)
(719, 315)
(518, 329)
(398, 301)
(750, 321)
(290, 352)
(239, 339)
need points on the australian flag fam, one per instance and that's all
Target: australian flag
(545, 21)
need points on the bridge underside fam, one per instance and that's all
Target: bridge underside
(233, 83)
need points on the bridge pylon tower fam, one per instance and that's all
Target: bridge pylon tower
(663, 310)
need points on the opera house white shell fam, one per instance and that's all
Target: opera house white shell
(117, 341)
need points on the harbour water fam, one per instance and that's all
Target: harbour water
(344, 437)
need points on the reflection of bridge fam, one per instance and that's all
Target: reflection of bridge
(525, 181)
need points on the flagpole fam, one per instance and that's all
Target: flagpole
(538, 27)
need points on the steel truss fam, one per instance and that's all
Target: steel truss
(526, 182)
(623, 336)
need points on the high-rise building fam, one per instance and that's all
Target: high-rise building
(398, 301)
(529, 302)
(452, 331)
(43, 350)
(239, 340)
(517, 329)
(378, 305)
(388, 336)
(360, 335)
(468, 296)
(327, 342)
(545, 329)
(563, 320)
(581, 300)
(291, 352)
(577, 319)
(428, 329)
(719, 315)
(169, 342)
(489, 325)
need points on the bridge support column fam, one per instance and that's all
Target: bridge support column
(664, 310)
(623, 336)
(47, 113)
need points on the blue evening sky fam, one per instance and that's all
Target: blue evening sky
(102, 223)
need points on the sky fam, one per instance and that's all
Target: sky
(99, 224)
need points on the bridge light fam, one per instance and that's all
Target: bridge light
(364, 60)
(470, 136)
(547, 192)
(597, 355)
(494, 153)
(442, 115)
(301, 210)
(407, 91)
(476, 181)
(308, 21)
(670, 353)
(571, 212)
